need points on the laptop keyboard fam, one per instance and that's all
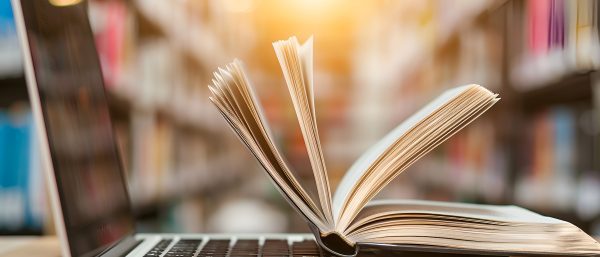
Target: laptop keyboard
(184, 248)
(159, 248)
(242, 247)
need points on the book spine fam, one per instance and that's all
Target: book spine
(334, 243)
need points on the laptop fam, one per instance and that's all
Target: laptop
(86, 180)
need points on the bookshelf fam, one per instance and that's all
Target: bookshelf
(21, 198)
(194, 39)
(538, 147)
(156, 58)
(122, 104)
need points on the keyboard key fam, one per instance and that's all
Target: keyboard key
(245, 248)
(273, 247)
(184, 248)
(305, 248)
(215, 248)
(159, 248)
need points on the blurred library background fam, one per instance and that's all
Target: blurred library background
(376, 62)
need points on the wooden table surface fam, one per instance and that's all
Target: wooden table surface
(44, 246)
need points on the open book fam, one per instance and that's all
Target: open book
(348, 220)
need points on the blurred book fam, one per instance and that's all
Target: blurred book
(553, 39)
(21, 187)
(11, 61)
(113, 28)
(556, 169)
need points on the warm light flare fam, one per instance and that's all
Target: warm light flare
(63, 3)
(239, 6)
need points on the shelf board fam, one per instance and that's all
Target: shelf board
(122, 105)
(201, 188)
(22, 232)
(151, 208)
(119, 105)
(408, 62)
(13, 89)
(194, 39)
(571, 89)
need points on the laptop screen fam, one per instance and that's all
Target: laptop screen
(90, 181)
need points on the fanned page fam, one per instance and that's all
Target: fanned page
(474, 227)
(297, 65)
(412, 139)
(235, 99)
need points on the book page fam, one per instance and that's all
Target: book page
(492, 214)
(467, 226)
(297, 65)
(405, 144)
(235, 99)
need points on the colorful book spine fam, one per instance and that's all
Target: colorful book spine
(21, 189)
(538, 26)
(560, 38)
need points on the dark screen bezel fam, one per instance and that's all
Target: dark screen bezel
(28, 13)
